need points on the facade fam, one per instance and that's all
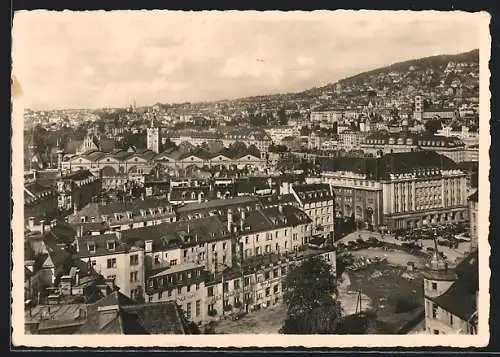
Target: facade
(318, 202)
(404, 190)
(381, 143)
(350, 140)
(451, 296)
(77, 189)
(153, 139)
(473, 218)
(119, 167)
(355, 194)
(115, 260)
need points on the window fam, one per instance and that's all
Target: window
(223, 259)
(224, 246)
(246, 240)
(247, 281)
(111, 245)
(173, 262)
(150, 298)
(134, 259)
(435, 332)
(213, 247)
(225, 287)
(434, 310)
(111, 277)
(179, 290)
(197, 286)
(91, 247)
(275, 288)
(133, 276)
(237, 284)
(267, 275)
(211, 307)
(210, 291)
(188, 310)
(451, 320)
(160, 295)
(434, 286)
(268, 291)
(188, 288)
(169, 293)
(275, 273)
(185, 253)
(257, 251)
(111, 263)
(256, 237)
(198, 308)
(283, 270)
(94, 262)
(285, 232)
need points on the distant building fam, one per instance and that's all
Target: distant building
(40, 201)
(153, 138)
(77, 189)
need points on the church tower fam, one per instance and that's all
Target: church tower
(153, 137)
(419, 108)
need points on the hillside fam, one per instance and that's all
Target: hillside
(433, 62)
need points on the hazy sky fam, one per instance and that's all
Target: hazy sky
(107, 59)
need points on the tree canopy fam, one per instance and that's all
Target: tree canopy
(311, 308)
(433, 125)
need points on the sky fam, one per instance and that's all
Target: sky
(98, 59)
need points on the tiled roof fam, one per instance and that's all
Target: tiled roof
(100, 243)
(461, 298)
(181, 233)
(217, 204)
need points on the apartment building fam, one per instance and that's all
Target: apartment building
(318, 202)
(113, 258)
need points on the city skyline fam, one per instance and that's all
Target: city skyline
(265, 54)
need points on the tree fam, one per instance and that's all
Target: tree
(311, 308)
(433, 125)
(283, 120)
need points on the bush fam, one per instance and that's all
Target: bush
(212, 312)
(228, 307)
(237, 304)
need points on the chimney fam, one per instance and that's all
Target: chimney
(229, 219)
(148, 246)
(77, 277)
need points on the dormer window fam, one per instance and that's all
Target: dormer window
(83, 219)
(91, 247)
(111, 245)
(143, 212)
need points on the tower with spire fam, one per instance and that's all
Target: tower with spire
(438, 278)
